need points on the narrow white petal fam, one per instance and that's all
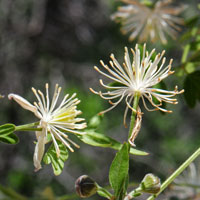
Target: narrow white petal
(39, 150)
(22, 102)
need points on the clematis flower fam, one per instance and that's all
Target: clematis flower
(56, 121)
(149, 22)
(137, 78)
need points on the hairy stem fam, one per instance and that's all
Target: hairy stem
(134, 193)
(28, 127)
(132, 122)
(105, 192)
(185, 53)
(176, 173)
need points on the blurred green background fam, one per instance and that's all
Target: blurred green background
(48, 41)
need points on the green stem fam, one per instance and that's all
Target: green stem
(132, 122)
(185, 53)
(176, 173)
(134, 193)
(194, 31)
(104, 192)
(28, 127)
(11, 193)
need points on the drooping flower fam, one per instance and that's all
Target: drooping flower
(56, 121)
(137, 78)
(149, 22)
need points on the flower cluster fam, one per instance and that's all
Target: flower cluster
(55, 121)
(153, 22)
(137, 78)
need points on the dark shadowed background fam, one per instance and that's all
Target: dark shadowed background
(49, 41)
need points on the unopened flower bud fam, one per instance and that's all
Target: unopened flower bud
(85, 186)
(150, 184)
(95, 121)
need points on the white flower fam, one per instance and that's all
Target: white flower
(137, 78)
(53, 121)
(143, 21)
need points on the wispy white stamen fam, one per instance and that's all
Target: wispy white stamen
(139, 77)
(149, 22)
(54, 121)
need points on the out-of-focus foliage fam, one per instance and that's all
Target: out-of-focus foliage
(60, 42)
(190, 61)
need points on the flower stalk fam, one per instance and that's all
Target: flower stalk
(28, 127)
(177, 173)
(134, 193)
(106, 193)
(133, 115)
(185, 53)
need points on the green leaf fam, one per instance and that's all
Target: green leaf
(9, 138)
(7, 129)
(180, 71)
(192, 21)
(195, 46)
(148, 3)
(6, 134)
(115, 84)
(190, 67)
(195, 57)
(119, 170)
(192, 88)
(198, 38)
(57, 162)
(186, 36)
(97, 139)
(192, 25)
(137, 152)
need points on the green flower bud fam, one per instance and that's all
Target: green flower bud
(150, 184)
(95, 121)
(85, 186)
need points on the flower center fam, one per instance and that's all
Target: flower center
(45, 120)
(44, 124)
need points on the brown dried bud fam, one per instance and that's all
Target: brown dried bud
(85, 186)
